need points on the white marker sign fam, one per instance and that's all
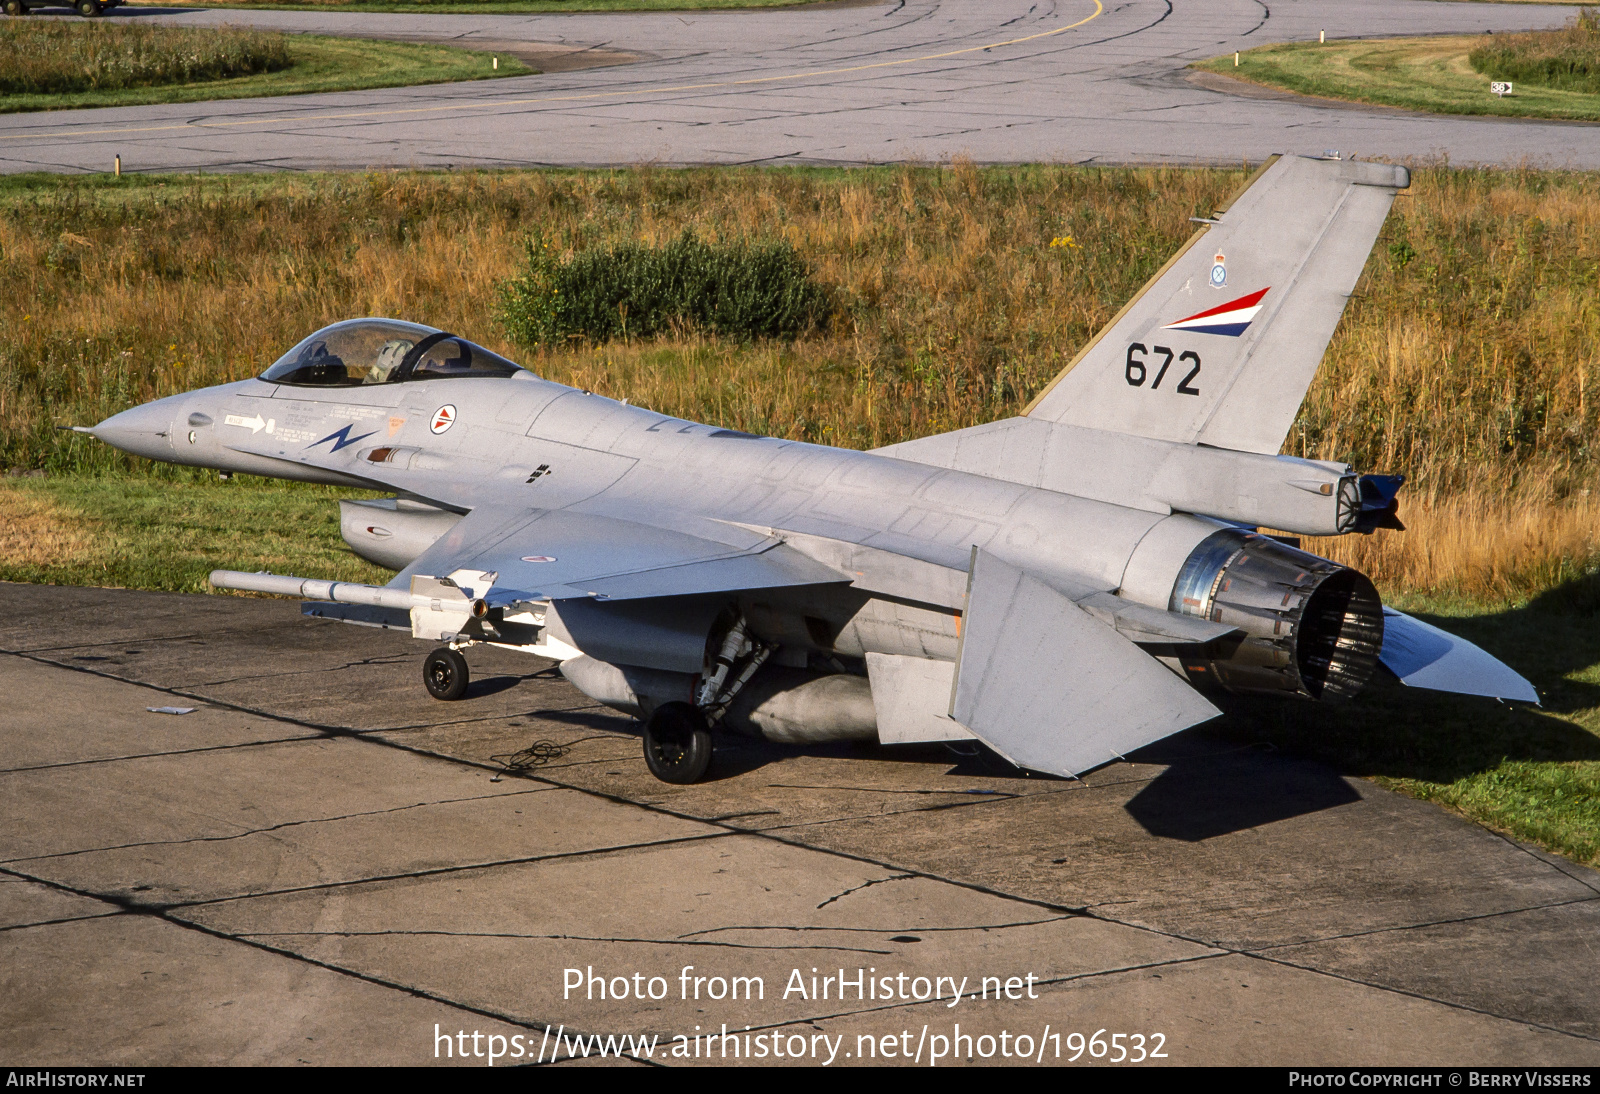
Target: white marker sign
(1501, 88)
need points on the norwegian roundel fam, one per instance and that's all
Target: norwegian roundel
(444, 418)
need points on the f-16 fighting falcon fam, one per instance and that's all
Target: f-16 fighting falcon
(1064, 586)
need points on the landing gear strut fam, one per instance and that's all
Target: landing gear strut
(445, 674)
(677, 743)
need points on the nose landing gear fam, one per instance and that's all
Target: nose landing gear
(445, 674)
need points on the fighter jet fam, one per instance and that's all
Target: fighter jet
(1064, 586)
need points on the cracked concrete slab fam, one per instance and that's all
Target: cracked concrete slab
(399, 841)
(1541, 961)
(90, 718)
(262, 648)
(221, 792)
(26, 903)
(133, 990)
(1381, 860)
(732, 906)
(1233, 1010)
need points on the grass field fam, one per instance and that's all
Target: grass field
(62, 56)
(57, 64)
(1466, 360)
(1430, 74)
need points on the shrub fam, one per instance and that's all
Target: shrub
(51, 56)
(1567, 59)
(738, 290)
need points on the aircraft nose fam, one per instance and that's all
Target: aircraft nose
(142, 430)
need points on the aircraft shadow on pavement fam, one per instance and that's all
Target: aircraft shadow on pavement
(1202, 796)
(591, 718)
(484, 686)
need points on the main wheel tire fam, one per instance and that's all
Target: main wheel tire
(445, 674)
(14, 7)
(677, 744)
(89, 9)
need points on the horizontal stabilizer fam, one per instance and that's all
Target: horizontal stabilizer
(1050, 687)
(1423, 656)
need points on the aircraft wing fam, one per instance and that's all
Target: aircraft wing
(1052, 688)
(558, 554)
(1423, 656)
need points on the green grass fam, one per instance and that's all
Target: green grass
(1568, 58)
(733, 288)
(490, 7)
(318, 64)
(170, 529)
(1428, 74)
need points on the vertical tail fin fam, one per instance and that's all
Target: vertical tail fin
(1219, 347)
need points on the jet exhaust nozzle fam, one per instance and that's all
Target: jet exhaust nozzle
(1312, 627)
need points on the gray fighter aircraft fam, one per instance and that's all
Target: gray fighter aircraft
(1065, 586)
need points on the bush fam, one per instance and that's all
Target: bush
(738, 290)
(1567, 59)
(58, 56)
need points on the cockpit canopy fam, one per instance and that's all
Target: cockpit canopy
(384, 351)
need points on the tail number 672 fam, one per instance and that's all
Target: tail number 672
(1139, 366)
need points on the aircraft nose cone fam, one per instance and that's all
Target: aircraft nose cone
(142, 430)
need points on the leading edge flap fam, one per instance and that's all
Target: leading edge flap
(1050, 687)
(560, 555)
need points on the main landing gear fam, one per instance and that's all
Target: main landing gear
(445, 674)
(677, 743)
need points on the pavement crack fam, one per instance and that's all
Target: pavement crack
(864, 885)
(365, 662)
(456, 868)
(555, 938)
(881, 790)
(63, 919)
(158, 755)
(888, 930)
(278, 827)
(1424, 925)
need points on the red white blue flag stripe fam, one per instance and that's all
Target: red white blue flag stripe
(1231, 318)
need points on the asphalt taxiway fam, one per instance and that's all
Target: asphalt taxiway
(320, 864)
(1076, 81)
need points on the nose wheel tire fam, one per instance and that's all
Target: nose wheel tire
(14, 7)
(445, 674)
(677, 744)
(89, 9)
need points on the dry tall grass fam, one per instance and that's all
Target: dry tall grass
(1466, 360)
(53, 56)
(1567, 58)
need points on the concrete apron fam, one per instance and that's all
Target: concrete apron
(320, 864)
